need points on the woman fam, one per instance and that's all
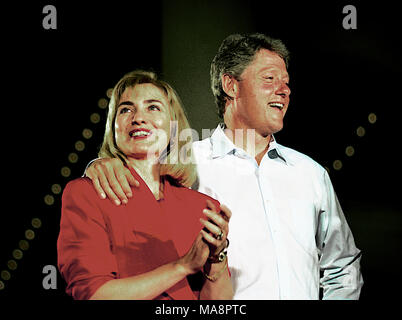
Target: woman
(155, 246)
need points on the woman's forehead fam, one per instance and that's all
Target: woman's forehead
(143, 92)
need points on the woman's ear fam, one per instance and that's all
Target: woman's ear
(229, 85)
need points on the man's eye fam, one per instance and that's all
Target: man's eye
(269, 77)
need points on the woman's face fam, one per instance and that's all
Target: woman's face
(142, 123)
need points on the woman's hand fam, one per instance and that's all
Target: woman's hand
(196, 257)
(216, 227)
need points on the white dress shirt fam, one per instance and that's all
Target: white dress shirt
(287, 225)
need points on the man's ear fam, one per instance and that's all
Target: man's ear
(230, 85)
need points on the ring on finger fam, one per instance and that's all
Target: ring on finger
(220, 235)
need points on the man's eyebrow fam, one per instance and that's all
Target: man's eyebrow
(272, 69)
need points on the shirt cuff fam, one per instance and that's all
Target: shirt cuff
(88, 165)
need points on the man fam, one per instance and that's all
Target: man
(289, 236)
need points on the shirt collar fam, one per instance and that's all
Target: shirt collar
(275, 151)
(221, 146)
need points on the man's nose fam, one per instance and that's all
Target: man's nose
(283, 89)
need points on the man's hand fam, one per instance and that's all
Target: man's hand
(112, 179)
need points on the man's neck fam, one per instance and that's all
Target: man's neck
(250, 141)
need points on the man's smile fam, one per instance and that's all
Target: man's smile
(278, 105)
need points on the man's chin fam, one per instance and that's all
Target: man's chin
(266, 132)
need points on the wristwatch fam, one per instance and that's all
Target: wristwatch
(221, 255)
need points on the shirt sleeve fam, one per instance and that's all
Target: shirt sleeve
(339, 257)
(88, 165)
(85, 259)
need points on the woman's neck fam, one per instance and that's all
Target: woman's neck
(150, 173)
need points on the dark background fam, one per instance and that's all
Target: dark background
(52, 81)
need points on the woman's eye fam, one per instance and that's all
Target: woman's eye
(154, 107)
(124, 110)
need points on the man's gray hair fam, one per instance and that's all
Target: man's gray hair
(234, 55)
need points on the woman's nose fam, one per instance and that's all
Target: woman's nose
(138, 117)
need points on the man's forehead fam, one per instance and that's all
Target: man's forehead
(266, 60)
(269, 58)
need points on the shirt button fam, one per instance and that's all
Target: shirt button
(272, 154)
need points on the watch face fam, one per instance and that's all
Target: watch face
(222, 256)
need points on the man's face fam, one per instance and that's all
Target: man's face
(263, 94)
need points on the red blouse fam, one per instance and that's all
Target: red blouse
(100, 241)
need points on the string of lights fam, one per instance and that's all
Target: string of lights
(51, 198)
(350, 151)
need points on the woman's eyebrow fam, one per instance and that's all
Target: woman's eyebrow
(130, 103)
(153, 100)
(125, 103)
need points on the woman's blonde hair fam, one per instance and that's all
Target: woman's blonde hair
(179, 172)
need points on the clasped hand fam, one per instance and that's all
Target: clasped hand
(113, 180)
(208, 244)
